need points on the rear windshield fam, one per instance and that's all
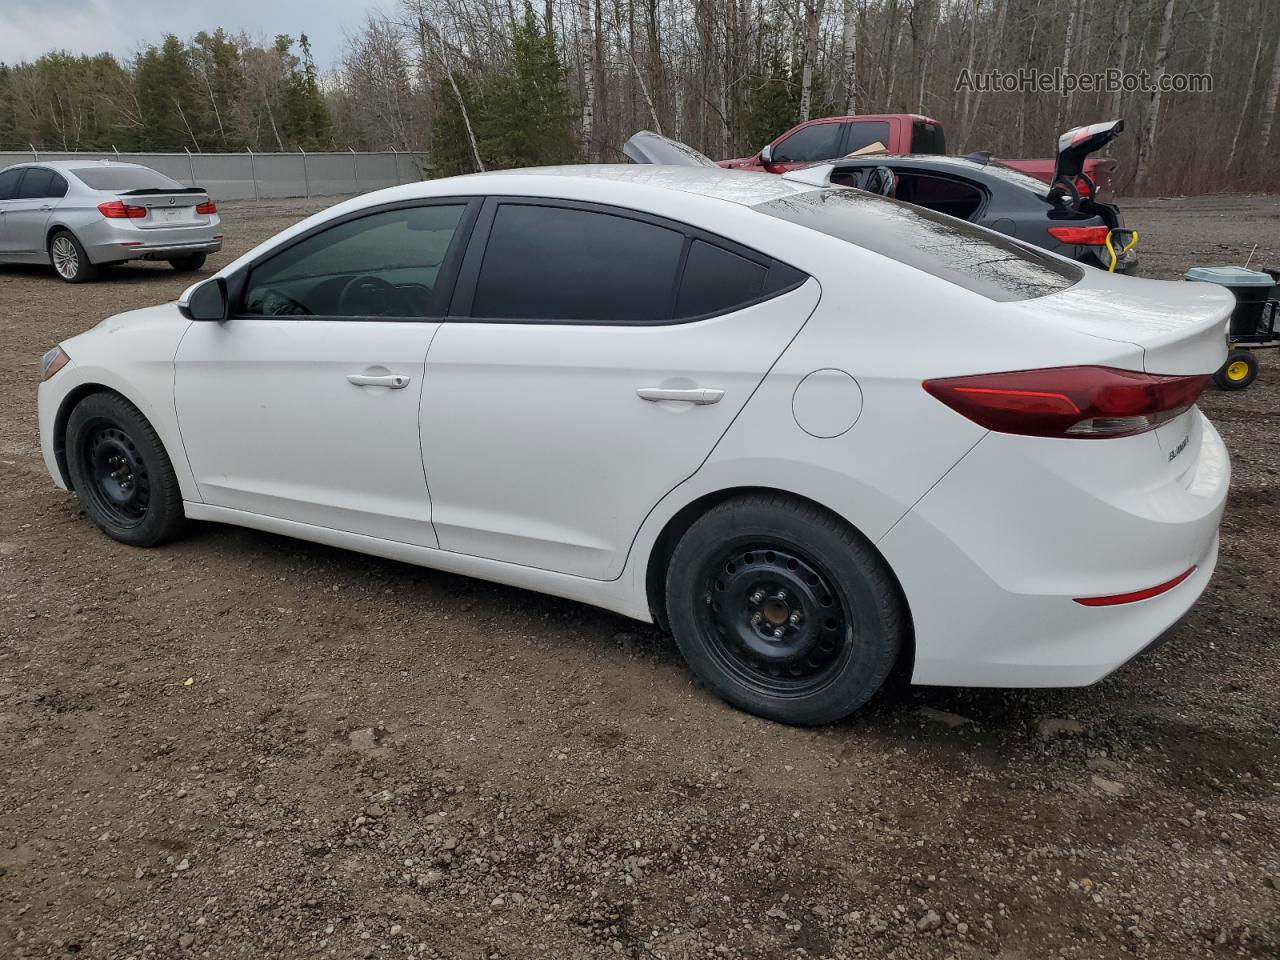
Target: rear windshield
(987, 263)
(124, 178)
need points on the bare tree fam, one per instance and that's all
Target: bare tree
(1147, 147)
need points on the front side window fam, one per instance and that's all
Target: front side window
(562, 264)
(385, 264)
(818, 142)
(995, 266)
(9, 182)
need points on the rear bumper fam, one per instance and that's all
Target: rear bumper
(116, 252)
(112, 241)
(994, 556)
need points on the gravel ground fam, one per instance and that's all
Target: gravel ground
(247, 746)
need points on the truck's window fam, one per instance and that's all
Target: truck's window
(818, 142)
(863, 133)
(986, 263)
(927, 138)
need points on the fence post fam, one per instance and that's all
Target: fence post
(355, 168)
(253, 174)
(306, 180)
(396, 153)
(191, 166)
(35, 154)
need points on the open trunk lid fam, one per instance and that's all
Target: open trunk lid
(649, 147)
(1076, 144)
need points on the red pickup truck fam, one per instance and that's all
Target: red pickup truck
(830, 137)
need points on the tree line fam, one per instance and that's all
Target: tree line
(482, 84)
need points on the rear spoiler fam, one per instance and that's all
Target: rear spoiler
(159, 191)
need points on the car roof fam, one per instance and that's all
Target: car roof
(743, 187)
(71, 165)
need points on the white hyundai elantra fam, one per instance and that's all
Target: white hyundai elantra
(817, 432)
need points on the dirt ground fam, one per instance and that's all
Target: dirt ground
(246, 746)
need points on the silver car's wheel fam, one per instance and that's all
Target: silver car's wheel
(69, 258)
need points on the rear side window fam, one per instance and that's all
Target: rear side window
(716, 280)
(995, 266)
(124, 178)
(560, 264)
(9, 182)
(927, 138)
(36, 184)
(866, 132)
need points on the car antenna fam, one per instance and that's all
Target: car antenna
(980, 156)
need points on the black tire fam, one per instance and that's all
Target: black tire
(1240, 370)
(188, 264)
(121, 473)
(762, 563)
(68, 259)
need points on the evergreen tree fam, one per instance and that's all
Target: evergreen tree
(306, 115)
(8, 111)
(528, 118)
(168, 98)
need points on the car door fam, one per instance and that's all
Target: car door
(303, 405)
(9, 182)
(592, 359)
(27, 214)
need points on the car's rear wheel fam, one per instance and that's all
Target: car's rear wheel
(1240, 370)
(121, 473)
(188, 264)
(69, 260)
(784, 610)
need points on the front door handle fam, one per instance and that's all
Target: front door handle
(699, 395)
(395, 381)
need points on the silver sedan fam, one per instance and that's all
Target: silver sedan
(80, 215)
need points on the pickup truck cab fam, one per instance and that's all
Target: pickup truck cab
(827, 138)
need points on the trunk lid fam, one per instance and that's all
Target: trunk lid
(1179, 328)
(174, 207)
(1076, 144)
(649, 147)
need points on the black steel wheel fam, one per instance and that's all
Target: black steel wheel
(120, 471)
(1240, 370)
(784, 610)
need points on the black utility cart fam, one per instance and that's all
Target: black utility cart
(1255, 322)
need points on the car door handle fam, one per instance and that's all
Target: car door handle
(395, 381)
(699, 395)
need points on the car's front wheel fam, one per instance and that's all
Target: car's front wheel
(121, 473)
(784, 610)
(188, 264)
(69, 259)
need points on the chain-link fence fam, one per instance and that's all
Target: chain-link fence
(262, 176)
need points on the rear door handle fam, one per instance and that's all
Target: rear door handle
(395, 381)
(699, 395)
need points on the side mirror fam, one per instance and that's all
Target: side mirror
(766, 155)
(206, 301)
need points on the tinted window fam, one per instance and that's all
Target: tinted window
(956, 198)
(58, 186)
(818, 142)
(865, 133)
(986, 263)
(35, 184)
(124, 178)
(382, 265)
(555, 263)
(927, 138)
(716, 280)
(9, 182)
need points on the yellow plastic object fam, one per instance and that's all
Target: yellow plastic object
(1111, 250)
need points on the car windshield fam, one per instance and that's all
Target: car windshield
(124, 178)
(985, 262)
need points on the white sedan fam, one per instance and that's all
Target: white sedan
(820, 434)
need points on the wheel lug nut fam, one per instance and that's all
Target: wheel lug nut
(779, 632)
(781, 596)
(794, 618)
(757, 596)
(755, 619)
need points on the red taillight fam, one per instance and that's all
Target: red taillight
(1081, 236)
(1076, 402)
(1147, 594)
(119, 210)
(207, 208)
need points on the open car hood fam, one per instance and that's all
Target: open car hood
(1076, 144)
(649, 147)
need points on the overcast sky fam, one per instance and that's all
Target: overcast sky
(29, 28)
